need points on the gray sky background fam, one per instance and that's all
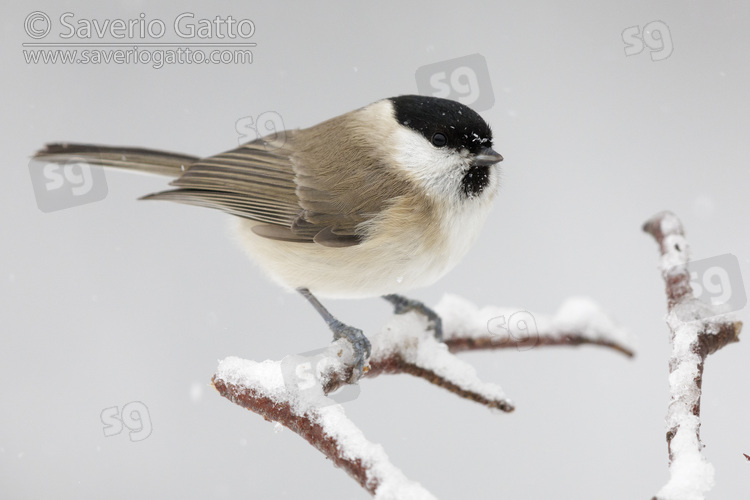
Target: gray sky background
(118, 300)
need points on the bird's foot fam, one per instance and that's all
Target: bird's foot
(402, 305)
(356, 338)
(360, 345)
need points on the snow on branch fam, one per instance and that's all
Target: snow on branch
(697, 330)
(299, 392)
(578, 321)
(261, 388)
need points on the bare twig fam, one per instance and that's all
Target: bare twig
(696, 332)
(405, 345)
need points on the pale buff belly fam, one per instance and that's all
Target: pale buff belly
(388, 262)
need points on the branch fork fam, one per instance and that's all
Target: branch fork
(697, 330)
(299, 392)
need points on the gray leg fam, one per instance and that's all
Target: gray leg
(355, 336)
(402, 305)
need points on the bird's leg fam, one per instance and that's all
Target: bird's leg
(355, 336)
(403, 305)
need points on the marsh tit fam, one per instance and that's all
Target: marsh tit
(374, 202)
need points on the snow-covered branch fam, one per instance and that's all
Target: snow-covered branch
(578, 321)
(696, 332)
(298, 392)
(261, 388)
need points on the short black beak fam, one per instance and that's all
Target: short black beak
(486, 158)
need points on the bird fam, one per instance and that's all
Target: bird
(375, 202)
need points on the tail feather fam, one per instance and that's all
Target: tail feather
(143, 160)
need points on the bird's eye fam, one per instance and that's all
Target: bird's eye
(439, 140)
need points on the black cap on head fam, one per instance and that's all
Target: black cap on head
(433, 117)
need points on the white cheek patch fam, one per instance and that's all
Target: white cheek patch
(438, 170)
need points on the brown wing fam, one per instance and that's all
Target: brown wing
(274, 182)
(254, 181)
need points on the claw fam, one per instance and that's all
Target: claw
(402, 305)
(360, 344)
